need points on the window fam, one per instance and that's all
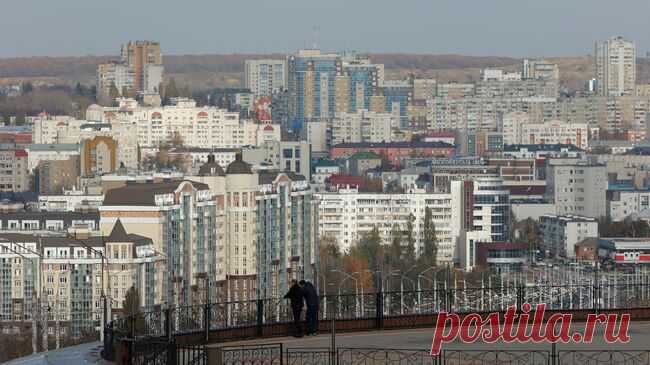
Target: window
(287, 153)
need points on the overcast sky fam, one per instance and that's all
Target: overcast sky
(470, 27)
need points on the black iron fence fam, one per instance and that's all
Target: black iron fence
(253, 317)
(273, 354)
(218, 316)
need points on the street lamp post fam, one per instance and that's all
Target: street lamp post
(356, 290)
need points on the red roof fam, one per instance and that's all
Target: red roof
(21, 153)
(156, 115)
(268, 128)
(203, 115)
(347, 180)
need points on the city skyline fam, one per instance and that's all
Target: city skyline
(495, 28)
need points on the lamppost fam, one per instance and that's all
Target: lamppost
(356, 290)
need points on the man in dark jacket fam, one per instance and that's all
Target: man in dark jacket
(296, 296)
(311, 297)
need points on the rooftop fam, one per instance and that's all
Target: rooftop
(418, 144)
(144, 193)
(541, 147)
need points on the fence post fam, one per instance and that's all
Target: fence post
(379, 310)
(132, 320)
(206, 325)
(260, 317)
(171, 353)
(168, 327)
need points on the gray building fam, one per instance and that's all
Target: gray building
(286, 156)
(561, 233)
(577, 187)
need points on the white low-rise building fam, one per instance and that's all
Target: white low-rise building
(561, 233)
(623, 203)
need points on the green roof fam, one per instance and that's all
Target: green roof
(326, 163)
(365, 155)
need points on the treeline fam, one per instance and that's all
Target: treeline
(60, 100)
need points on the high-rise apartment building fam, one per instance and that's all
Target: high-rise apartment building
(265, 77)
(139, 55)
(140, 70)
(321, 85)
(615, 64)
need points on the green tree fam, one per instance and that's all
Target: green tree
(171, 90)
(395, 252)
(409, 251)
(370, 249)
(430, 243)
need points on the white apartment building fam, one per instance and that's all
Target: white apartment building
(623, 203)
(49, 129)
(205, 127)
(577, 187)
(349, 214)
(561, 233)
(69, 201)
(50, 152)
(492, 74)
(540, 70)
(511, 126)
(554, 132)
(264, 77)
(363, 126)
(118, 74)
(615, 63)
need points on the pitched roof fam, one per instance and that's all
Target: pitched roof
(118, 233)
(144, 193)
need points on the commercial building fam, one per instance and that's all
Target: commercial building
(14, 170)
(615, 65)
(577, 187)
(265, 77)
(561, 233)
(540, 70)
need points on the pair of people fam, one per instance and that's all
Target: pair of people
(299, 293)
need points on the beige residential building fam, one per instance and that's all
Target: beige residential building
(14, 170)
(615, 64)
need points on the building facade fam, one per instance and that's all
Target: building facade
(615, 64)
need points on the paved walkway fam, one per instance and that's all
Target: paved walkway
(81, 354)
(421, 339)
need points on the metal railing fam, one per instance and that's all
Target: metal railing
(255, 317)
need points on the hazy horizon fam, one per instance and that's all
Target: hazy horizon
(501, 28)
